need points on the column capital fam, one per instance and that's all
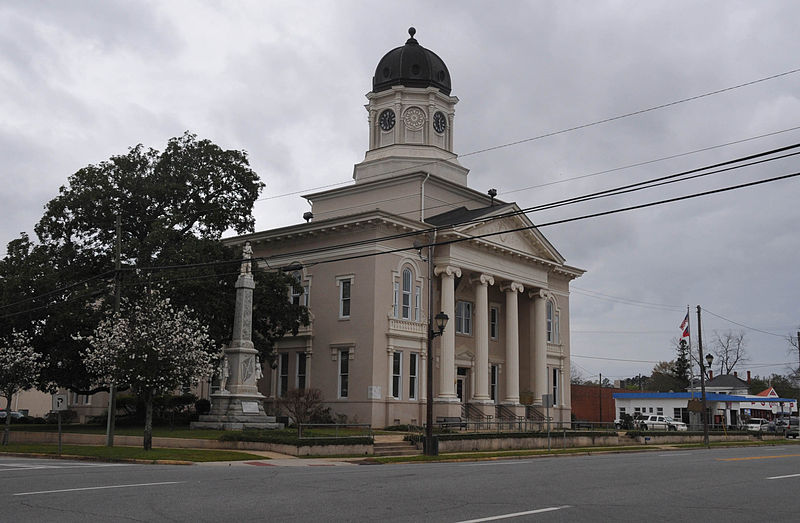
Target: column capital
(512, 286)
(447, 270)
(540, 293)
(483, 279)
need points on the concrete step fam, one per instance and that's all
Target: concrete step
(403, 448)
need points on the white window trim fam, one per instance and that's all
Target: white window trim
(339, 280)
(416, 312)
(300, 354)
(464, 332)
(412, 389)
(282, 393)
(397, 394)
(341, 351)
(409, 293)
(496, 309)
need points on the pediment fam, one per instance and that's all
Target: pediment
(516, 233)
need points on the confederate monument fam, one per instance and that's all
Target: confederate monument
(238, 404)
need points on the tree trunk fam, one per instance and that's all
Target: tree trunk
(7, 429)
(148, 421)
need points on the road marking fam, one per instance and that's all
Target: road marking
(759, 457)
(784, 477)
(495, 463)
(98, 488)
(516, 514)
(12, 467)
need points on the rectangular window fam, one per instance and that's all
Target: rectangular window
(283, 374)
(660, 411)
(417, 302)
(344, 298)
(301, 370)
(344, 372)
(413, 358)
(463, 317)
(493, 382)
(549, 309)
(637, 409)
(397, 367)
(556, 396)
(651, 410)
(494, 318)
(676, 413)
(621, 411)
(395, 298)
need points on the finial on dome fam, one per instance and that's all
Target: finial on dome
(411, 32)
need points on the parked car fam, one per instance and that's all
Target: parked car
(14, 414)
(656, 422)
(793, 429)
(756, 424)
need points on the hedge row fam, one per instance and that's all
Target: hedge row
(283, 438)
(415, 438)
(637, 433)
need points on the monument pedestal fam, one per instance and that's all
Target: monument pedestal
(236, 412)
(239, 405)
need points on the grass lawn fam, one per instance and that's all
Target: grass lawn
(158, 432)
(128, 453)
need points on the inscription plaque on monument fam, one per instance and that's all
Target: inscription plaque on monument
(250, 407)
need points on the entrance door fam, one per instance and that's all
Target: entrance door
(461, 382)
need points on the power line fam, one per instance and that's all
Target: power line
(568, 201)
(558, 132)
(743, 325)
(57, 290)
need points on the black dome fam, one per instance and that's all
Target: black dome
(412, 66)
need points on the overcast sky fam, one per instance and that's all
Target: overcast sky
(285, 81)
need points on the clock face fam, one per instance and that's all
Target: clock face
(439, 122)
(386, 120)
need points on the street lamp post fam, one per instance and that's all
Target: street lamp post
(709, 358)
(441, 322)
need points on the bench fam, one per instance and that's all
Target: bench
(450, 422)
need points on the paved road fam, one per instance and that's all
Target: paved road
(753, 484)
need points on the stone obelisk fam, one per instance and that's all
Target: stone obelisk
(238, 404)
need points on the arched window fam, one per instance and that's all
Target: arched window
(299, 295)
(406, 310)
(552, 323)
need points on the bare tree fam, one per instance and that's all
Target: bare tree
(302, 404)
(576, 376)
(729, 350)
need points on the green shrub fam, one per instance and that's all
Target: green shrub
(290, 438)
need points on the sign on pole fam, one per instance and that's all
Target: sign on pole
(59, 402)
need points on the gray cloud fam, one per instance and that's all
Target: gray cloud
(83, 81)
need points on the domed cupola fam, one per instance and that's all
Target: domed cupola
(411, 65)
(411, 118)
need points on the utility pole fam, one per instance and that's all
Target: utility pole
(702, 379)
(112, 393)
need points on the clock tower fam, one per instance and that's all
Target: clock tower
(410, 117)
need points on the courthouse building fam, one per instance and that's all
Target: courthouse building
(503, 285)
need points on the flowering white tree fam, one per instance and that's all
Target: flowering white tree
(151, 347)
(20, 366)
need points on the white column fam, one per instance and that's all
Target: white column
(481, 375)
(447, 362)
(539, 337)
(512, 291)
